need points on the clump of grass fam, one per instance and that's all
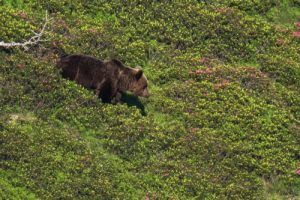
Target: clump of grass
(285, 14)
(222, 121)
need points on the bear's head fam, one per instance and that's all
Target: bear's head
(139, 86)
(131, 79)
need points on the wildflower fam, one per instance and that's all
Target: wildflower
(203, 60)
(296, 34)
(281, 30)
(280, 41)
(298, 171)
(205, 71)
(297, 24)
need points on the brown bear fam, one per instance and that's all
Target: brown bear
(108, 78)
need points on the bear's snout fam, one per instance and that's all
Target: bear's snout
(146, 93)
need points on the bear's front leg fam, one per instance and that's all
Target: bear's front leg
(117, 98)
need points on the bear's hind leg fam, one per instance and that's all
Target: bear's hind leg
(105, 93)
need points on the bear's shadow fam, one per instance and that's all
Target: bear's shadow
(132, 100)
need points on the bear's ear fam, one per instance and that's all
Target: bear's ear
(138, 74)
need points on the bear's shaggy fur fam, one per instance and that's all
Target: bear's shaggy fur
(108, 78)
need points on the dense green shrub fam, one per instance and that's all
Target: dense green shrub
(284, 70)
(10, 190)
(222, 121)
(296, 2)
(220, 32)
(16, 25)
(53, 163)
(259, 6)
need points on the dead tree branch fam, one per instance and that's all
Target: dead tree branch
(32, 41)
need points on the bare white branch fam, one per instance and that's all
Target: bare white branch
(36, 38)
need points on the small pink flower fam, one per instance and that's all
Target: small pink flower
(297, 171)
(280, 41)
(199, 72)
(225, 82)
(92, 30)
(203, 60)
(296, 34)
(194, 130)
(191, 72)
(297, 24)
(281, 30)
(224, 10)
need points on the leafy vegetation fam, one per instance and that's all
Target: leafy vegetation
(223, 121)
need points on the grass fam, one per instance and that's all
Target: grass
(222, 121)
(285, 14)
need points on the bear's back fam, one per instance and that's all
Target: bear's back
(89, 71)
(81, 68)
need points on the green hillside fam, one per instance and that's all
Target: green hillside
(223, 121)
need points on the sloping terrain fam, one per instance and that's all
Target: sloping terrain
(223, 121)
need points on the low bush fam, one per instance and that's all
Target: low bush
(222, 121)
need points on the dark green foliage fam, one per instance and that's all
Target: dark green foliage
(222, 121)
(259, 6)
(296, 2)
(284, 70)
(53, 162)
(15, 26)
